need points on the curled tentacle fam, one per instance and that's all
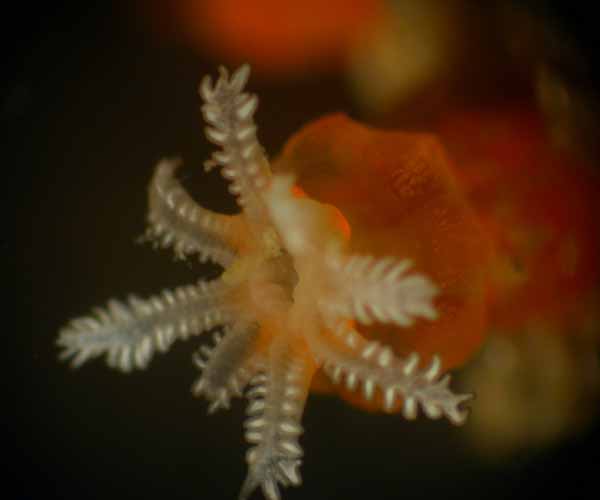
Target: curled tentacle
(176, 220)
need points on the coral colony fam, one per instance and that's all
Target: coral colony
(287, 300)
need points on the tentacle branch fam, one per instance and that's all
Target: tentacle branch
(176, 220)
(347, 355)
(276, 406)
(229, 113)
(369, 290)
(130, 333)
(228, 367)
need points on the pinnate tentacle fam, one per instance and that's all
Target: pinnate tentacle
(228, 366)
(229, 113)
(377, 290)
(176, 220)
(275, 410)
(350, 359)
(129, 333)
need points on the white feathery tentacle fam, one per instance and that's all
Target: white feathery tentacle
(276, 405)
(349, 358)
(129, 333)
(176, 220)
(229, 365)
(229, 113)
(377, 290)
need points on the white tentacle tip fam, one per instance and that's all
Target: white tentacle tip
(240, 77)
(247, 108)
(206, 89)
(458, 416)
(434, 368)
(463, 411)
(410, 408)
(410, 364)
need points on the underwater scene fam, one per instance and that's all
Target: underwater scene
(305, 249)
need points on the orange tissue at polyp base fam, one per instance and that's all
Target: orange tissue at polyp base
(401, 198)
(540, 207)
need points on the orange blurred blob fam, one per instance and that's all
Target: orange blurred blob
(277, 37)
(540, 207)
(399, 195)
(508, 232)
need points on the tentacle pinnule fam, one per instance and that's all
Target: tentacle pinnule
(176, 220)
(275, 410)
(229, 113)
(350, 358)
(378, 290)
(229, 365)
(129, 333)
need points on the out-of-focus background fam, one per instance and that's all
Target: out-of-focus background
(94, 96)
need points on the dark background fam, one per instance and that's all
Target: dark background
(91, 102)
